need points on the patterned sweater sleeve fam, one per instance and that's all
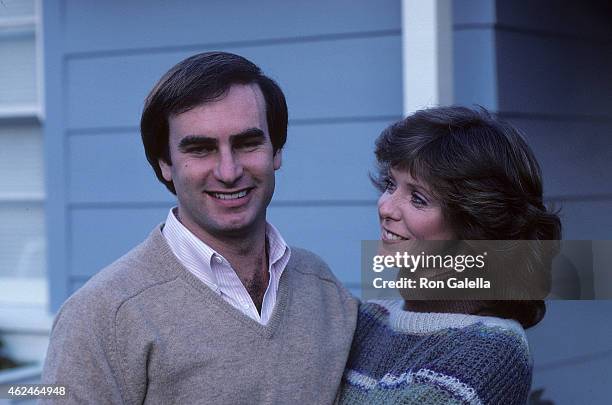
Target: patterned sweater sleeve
(484, 362)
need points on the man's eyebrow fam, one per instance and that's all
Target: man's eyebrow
(202, 140)
(248, 134)
(199, 140)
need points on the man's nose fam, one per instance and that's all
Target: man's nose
(387, 207)
(228, 168)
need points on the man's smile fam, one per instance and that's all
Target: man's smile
(237, 198)
(230, 195)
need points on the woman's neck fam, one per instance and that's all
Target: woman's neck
(453, 307)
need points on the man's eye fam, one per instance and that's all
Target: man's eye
(418, 200)
(201, 150)
(249, 145)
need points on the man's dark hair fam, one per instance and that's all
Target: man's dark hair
(485, 177)
(199, 79)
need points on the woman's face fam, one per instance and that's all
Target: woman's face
(407, 211)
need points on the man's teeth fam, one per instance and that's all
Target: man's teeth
(228, 196)
(392, 236)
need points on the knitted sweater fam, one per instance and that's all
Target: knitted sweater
(435, 358)
(146, 330)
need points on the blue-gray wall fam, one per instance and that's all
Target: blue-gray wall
(546, 66)
(339, 63)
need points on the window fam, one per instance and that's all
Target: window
(22, 233)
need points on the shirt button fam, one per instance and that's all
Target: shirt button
(245, 305)
(218, 259)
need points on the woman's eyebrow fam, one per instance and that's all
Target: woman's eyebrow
(419, 188)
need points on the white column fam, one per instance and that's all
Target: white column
(427, 53)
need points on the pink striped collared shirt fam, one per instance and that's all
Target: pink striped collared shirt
(216, 272)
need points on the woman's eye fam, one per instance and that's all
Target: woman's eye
(389, 185)
(418, 200)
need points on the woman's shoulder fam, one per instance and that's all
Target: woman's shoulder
(491, 356)
(470, 356)
(494, 345)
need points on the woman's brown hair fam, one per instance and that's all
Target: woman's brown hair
(484, 175)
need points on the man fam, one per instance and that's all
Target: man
(213, 307)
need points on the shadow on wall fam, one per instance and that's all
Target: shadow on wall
(536, 398)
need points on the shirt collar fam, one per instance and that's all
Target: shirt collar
(277, 247)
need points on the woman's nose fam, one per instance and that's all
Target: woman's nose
(387, 207)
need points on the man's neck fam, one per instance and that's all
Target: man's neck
(246, 252)
(250, 261)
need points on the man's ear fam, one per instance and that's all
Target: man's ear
(166, 169)
(278, 159)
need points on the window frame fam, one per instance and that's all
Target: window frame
(24, 301)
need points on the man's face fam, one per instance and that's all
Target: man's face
(222, 164)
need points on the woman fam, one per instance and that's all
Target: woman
(451, 173)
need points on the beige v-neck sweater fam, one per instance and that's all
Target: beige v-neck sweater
(146, 330)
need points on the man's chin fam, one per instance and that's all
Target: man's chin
(235, 228)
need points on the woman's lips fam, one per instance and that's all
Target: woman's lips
(391, 236)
